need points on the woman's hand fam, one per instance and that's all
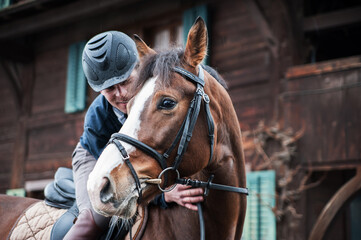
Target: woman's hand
(185, 196)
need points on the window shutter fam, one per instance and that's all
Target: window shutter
(4, 3)
(189, 17)
(17, 192)
(76, 83)
(260, 221)
(355, 212)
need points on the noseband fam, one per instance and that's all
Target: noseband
(183, 136)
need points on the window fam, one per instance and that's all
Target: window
(165, 35)
(332, 29)
(260, 221)
(75, 98)
(175, 30)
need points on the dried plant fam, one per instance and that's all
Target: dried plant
(275, 148)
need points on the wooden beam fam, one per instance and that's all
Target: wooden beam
(323, 67)
(19, 152)
(263, 25)
(37, 185)
(332, 19)
(334, 205)
(62, 15)
(12, 76)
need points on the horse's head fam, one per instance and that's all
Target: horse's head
(155, 115)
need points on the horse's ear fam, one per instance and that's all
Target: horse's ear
(142, 47)
(197, 41)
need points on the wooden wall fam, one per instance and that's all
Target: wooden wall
(8, 123)
(326, 99)
(36, 135)
(240, 50)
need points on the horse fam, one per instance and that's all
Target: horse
(123, 178)
(142, 152)
(10, 210)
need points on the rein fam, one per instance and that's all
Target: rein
(183, 136)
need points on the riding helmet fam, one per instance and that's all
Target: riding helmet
(109, 59)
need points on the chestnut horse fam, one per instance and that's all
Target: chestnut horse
(10, 210)
(156, 113)
(120, 182)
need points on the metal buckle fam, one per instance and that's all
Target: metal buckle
(200, 91)
(206, 98)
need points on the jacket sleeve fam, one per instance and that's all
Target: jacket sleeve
(160, 201)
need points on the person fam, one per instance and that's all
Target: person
(110, 61)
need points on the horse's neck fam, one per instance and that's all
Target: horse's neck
(223, 211)
(229, 156)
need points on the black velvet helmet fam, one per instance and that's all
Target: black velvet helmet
(108, 59)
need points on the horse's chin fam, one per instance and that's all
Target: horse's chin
(125, 208)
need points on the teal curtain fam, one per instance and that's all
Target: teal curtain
(75, 98)
(189, 17)
(260, 223)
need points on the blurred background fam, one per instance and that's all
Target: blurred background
(293, 69)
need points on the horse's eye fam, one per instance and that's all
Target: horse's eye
(167, 104)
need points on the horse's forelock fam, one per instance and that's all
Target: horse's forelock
(165, 62)
(160, 65)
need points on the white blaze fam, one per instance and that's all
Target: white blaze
(111, 157)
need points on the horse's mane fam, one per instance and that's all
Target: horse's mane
(161, 65)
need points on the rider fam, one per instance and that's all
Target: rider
(110, 61)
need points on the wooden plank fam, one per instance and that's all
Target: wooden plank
(49, 88)
(245, 76)
(241, 53)
(19, 156)
(331, 113)
(37, 185)
(127, 11)
(52, 139)
(230, 41)
(19, 151)
(263, 25)
(323, 67)
(251, 112)
(330, 166)
(8, 105)
(46, 166)
(332, 19)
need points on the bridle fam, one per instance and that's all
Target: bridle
(183, 137)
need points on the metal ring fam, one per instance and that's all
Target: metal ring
(173, 186)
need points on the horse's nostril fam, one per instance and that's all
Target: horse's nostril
(106, 194)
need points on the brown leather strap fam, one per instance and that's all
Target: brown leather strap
(140, 224)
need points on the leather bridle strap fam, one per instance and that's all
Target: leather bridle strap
(199, 94)
(125, 156)
(142, 146)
